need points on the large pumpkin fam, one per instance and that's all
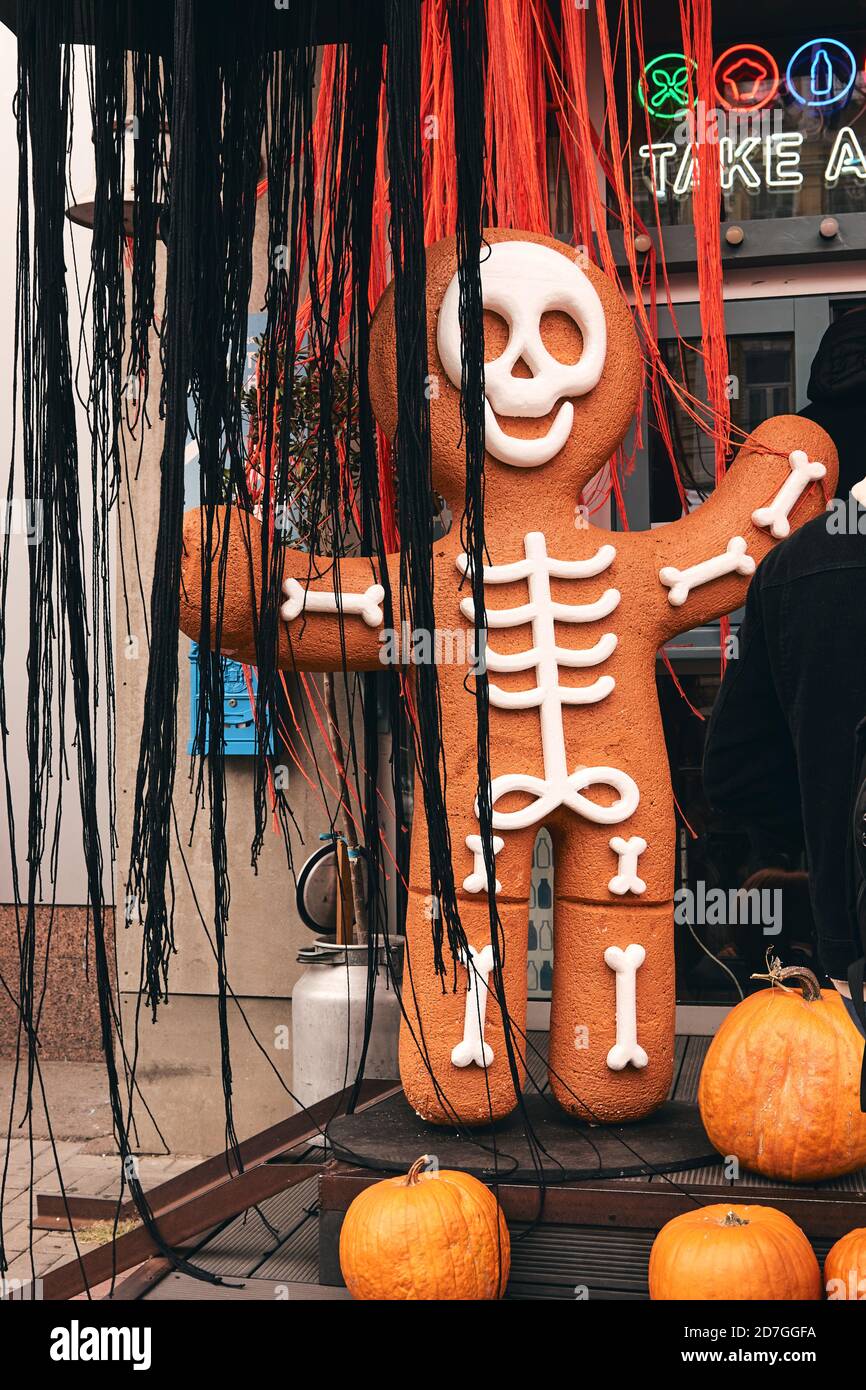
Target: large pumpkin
(780, 1086)
(428, 1235)
(845, 1267)
(733, 1253)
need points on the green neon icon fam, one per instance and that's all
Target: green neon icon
(663, 88)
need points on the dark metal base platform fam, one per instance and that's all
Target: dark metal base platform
(391, 1136)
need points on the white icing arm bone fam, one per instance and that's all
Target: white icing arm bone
(476, 882)
(473, 1048)
(300, 600)
(734, 560)
(626, 879)
(537, 558)
(626, 964)
(803, 473)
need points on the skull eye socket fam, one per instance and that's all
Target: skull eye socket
(496, 334)
(562, 337)
(559, 334)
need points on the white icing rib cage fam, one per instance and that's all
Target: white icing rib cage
(558, 787)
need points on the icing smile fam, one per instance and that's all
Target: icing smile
(522, 452)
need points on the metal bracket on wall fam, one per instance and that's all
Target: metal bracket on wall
(766, 241)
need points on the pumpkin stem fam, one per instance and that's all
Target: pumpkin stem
(416, 1170)
(732, 1219)
(777, 974)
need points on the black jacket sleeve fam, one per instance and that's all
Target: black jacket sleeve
(750, 769)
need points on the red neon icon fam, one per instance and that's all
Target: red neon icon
(746, 78)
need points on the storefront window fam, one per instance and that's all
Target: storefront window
(840, 307)
(718, 950)
(761, 385)
(539, 970)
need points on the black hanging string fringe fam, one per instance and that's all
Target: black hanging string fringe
(468, 34)
(224, 97)
(151, 104)
(412, 457)
(58, 588)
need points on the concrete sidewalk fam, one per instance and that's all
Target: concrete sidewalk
(78, 1143)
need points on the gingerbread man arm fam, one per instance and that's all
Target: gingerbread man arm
(702, 565)
(316, 589)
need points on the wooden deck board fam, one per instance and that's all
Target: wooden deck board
(246, 1246)
(690, 1070)
(181, 1288)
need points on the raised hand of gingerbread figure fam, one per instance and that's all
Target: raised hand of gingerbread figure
(576, 617)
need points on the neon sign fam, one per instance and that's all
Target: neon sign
(771, 161)
(829, 69)
(820, 74)
(663, 88)
(746, 78)
(846, 158)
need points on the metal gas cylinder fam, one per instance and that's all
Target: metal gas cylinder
(329, 1004)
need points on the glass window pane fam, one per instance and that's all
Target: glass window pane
(762, 384)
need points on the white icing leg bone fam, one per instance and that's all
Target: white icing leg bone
(473, 1048)
(803, 473)
(300, 600)
(626, 964)
(734, 560)
(626, 879)
(476, 882)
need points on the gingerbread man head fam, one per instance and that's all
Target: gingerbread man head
(562, 375)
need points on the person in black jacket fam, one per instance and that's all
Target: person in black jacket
(781, 740)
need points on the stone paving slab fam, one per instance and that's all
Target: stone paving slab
(77, 1100)
(84, 1147)
(16, 1237)
(84, 1173)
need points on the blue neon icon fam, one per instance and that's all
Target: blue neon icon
(822, 74)
(830, 68)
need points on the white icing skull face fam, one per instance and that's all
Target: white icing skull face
(521, 281)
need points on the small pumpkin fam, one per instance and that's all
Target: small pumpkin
(845, 1267)
(733, 1253)
(429, 1235)
(780, 1084)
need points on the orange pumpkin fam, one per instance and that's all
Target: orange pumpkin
(845, 1267)
(428, 1235)
(780, 1086)
(733, 1253)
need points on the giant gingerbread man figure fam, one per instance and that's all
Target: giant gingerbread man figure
(575, 619)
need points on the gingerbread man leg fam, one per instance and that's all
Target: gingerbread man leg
(612, 1011)
(457, 1037)
(611, 1023)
